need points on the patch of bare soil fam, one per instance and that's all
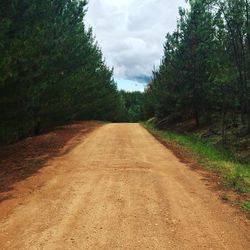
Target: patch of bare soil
(25, 158)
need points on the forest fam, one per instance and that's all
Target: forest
(52, 70)
(204, 74)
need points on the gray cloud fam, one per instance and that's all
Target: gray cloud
(131, 32)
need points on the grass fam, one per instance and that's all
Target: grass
(236, 174)
(246, 206)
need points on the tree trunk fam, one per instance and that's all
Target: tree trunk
(223, 130)
(197, 118)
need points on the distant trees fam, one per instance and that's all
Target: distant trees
(51, 68)
(205, 70)
(133, 106)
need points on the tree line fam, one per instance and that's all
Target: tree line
(52, 70)
(205, 71)
(132, 106)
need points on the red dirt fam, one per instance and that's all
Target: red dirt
(119, 188)
(25, 158)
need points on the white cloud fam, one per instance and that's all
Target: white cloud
(131, 32)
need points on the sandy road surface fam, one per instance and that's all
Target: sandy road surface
(121, 189)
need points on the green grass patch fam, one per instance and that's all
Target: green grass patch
(236, 174)
(246, 206)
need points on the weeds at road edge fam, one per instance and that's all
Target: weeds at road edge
(236, 175)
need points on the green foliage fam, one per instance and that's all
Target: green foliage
(133, 103)
(235, 173)
(246, 206)
(205, 67)
(51, 68)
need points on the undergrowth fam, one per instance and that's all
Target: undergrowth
(246, 206)
(236, 174)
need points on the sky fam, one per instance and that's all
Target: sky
(131, 34)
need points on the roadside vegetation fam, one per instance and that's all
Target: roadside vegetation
(246, 206)
(235, 172)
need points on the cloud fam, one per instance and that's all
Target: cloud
(131, 33)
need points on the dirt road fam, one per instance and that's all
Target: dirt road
(121, 189)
